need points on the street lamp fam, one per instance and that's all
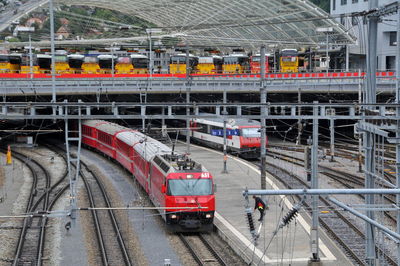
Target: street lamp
(149, 32)
(326, 30)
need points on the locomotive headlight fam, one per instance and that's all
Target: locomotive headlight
(208, 215)
(189, 176)
(173, 216)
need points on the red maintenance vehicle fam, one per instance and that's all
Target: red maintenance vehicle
(181, 188)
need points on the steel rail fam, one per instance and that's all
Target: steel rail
(334, 234)
(44, 198)
(100, 239)
(96, 220)
(212, 250)
(191, 249)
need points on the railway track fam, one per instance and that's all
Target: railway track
(111, 245)
(30, 246)
(337, 225)
(201, 249)
(345, 179)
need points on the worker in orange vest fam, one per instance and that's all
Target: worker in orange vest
(9, 159)
(260, 206)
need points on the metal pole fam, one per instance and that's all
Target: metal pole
(112, 61)
(299, 124)
(398, 130)
(372, 55)
(225, 170)
(366, 218)
(187, 99)
(359, 135)
(263, 101)
(327, 53)
(347, 58)
(30, 57)
(369, 136)
(314, 185)
(53, 59)
(332, 129)
(320, 191)
(150, 56)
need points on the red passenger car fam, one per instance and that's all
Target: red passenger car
(181, 187)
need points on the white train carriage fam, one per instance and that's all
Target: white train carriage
(243, 136)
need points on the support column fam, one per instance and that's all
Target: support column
(369, 199)
(224, 113)
(369, 136)
(398, 130)
(314, 185)
(188, 69)
(371, 54)
(332, 129)
(347, 57)
(53, 59)
(299, 124)
(30, 57)
(263, 101)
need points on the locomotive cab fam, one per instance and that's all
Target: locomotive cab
(188, 186)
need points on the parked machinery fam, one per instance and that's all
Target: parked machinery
(26, 64)
(140, 64)
(178, 64)
(181, 187)
(10, 63)
(210, 65)
(255, 63)
(75, 62)
(236, 64)
(289, 60)
(90, 65)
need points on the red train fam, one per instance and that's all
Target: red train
(181, 187)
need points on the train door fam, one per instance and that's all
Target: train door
(149, 174)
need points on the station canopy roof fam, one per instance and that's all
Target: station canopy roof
(231, 23)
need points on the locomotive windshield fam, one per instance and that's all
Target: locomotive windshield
(253, 132)
(189, 187)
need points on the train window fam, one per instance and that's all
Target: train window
(4, 58)
(187, 187)
(202, 128)
(253, 132)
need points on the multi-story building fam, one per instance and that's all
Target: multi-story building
(356, 25)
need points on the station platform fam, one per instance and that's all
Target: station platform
(290, 246)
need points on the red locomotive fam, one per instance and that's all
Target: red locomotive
(182, 188)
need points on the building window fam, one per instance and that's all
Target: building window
(390, 62)
(392, 38)
(354, 1)
(334, 4)
(343, 2)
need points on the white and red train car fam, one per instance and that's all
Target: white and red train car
(182, 188)
(243, 136)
